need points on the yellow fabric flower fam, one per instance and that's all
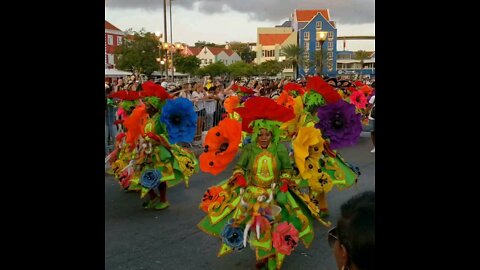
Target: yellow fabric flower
(291, 127)
(307, 145)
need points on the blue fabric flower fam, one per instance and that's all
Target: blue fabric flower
(150, 179)
(181, 120)
(232, 236)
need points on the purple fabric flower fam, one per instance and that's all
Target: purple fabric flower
(340, 123)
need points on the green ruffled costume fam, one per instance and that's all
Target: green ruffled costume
(261, 168)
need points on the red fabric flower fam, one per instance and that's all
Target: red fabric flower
(285, 238)
(358, 84)
(367, 90)
(320, 86)
(151, 89)
(294, 86)
(125, 95)
(243, 89)
(221, 145)
(358, 99)
(262, 108)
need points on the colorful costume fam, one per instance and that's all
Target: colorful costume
(151, 160)
(238, 210)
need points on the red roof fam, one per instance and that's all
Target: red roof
(195, 50)
(332, 23)
(272, 39)
(307, 15)
(216, 50)
(229, 52)
(110, 26)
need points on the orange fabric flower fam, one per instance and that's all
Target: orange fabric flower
(286, 100)
(221, 145)
(135, 125)
(211, 196)
(231, 103)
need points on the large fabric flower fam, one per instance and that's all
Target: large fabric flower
(358, 99)
(291, 127)
(150, 179)
(231, 103)
(307, 145)
(294, 87)
(340, 123)
(232, 236)
(285, 238)
(262, 108)
(367, 90)
(213, 195)
(286, 100)
(151, 89)
(320, 86)
(135, 124)
(221, 144)
(242, 89)
(180, 118)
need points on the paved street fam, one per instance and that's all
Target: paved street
(140, 239)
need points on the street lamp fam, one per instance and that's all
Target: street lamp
(321, 37)
(160, 63)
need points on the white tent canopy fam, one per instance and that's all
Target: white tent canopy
(111, 72)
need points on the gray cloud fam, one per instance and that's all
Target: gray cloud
(342, 11)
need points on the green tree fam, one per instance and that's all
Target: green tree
(204, 43)
(362, 55)
(270, 68)
(293, 57)
(319, 60)
(215, 69)
(186, 64)
(240, 69)
(139, 53)
(243, 50)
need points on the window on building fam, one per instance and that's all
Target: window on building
(306, 35)
(263, 53)
(330, 34)
(110, 59)
(318, 25)
(110, 39)
(330, 44)
(119, 40)
(330, 54)
(209, 61)
(318, 44)
(306, 54)
(306, 46)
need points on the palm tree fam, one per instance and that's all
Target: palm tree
(362, 55)
(293, 57)
(320, 58)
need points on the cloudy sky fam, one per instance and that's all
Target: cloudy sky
(220, 21)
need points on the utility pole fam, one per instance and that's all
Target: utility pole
(165, 31)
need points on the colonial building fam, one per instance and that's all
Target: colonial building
(113, 38)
